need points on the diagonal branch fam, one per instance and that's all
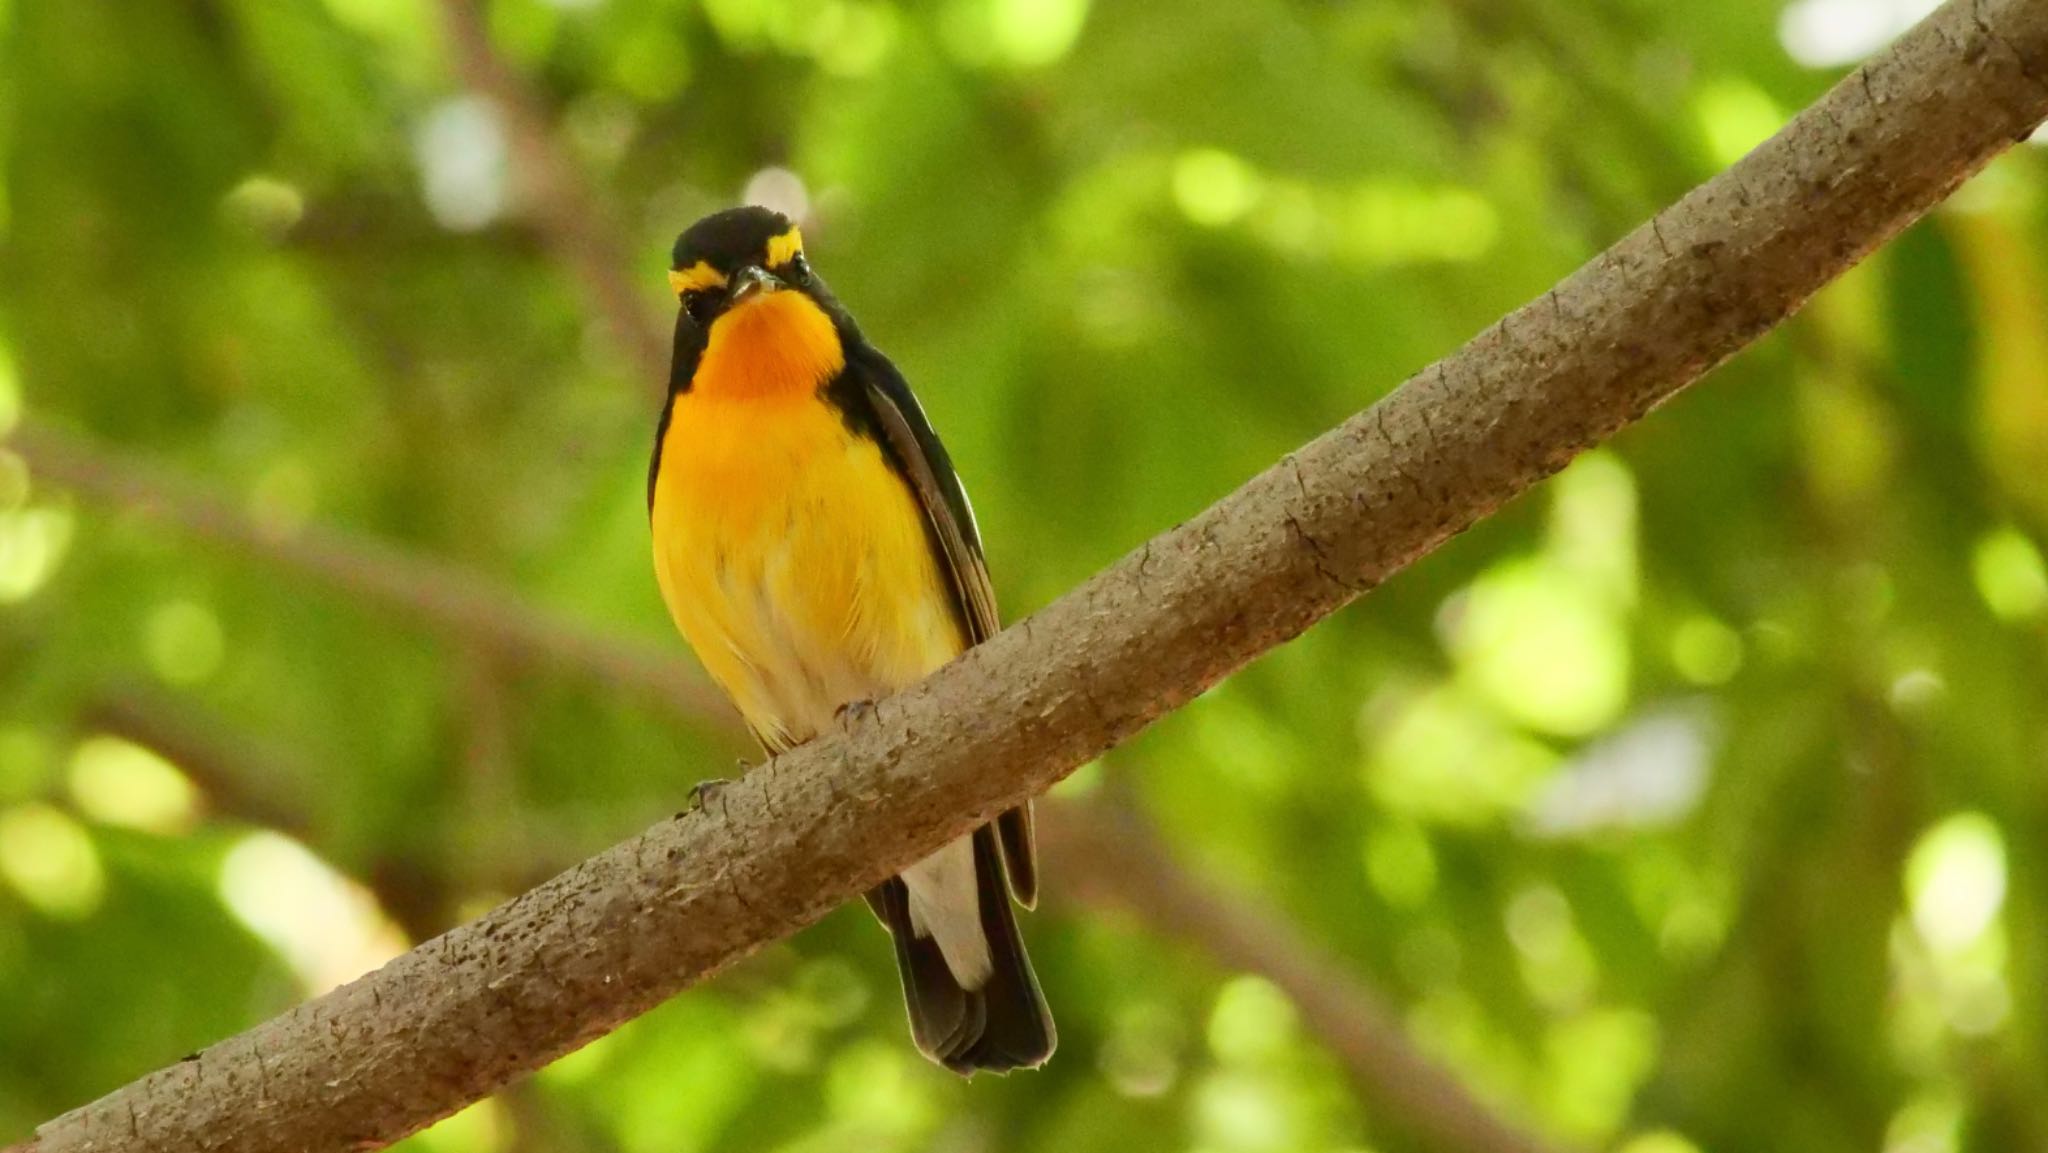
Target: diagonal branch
(539, 976)
(581, 239)
(1104, 856)
(231, 771)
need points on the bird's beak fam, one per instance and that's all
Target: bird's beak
(750, 281)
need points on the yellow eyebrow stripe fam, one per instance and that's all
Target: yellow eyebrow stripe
(697, 276)
(783, 249)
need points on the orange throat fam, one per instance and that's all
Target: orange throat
(776, 344)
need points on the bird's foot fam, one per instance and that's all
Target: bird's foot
(703, 791)
(853, 712)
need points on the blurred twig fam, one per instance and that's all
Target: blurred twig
(236, 774)
(572, 218)
(230, 774)
(1105, 855)
(490, 849)
(443, 597)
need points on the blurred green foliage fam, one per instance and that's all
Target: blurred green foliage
(1691, 804)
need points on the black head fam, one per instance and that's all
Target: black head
(728, 256)
(726, 240)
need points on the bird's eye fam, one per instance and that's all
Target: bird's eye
(698, 302)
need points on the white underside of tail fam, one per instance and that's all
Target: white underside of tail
(945, 905)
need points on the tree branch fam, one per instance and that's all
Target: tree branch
(1106, 856)
(472, 1009)
(441, 596)
(230, 770)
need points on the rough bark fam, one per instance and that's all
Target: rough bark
(471, 1010)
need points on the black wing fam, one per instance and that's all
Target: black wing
(903, 431)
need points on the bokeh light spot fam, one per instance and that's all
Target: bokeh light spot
(1597, 1062)
(2010, 575)
(1252, 1021)
(1439, 755)
(1955, 881)
(779, 189)
(32, 543)
(833, 991)
(875, 1085)
(1705, 651)
(1929, 1124)
(1917, 691)
(118, 783)
(1013, 33)
(1592, 529)
(1831, 33)
(1243, 1112)
(461, 152)
(1391, 223)
(1556, 963)
(1141, 1057)
(1539, 921)
(383, 17)
(1033, 33)
(1735, 116)
(326, 927)
(1692, 929)
(1251, 752)
(856, 40)
(50, 860)
(1213, 187)
(1650, 773)
(183, 642)
(264, 206)
(1543, 647)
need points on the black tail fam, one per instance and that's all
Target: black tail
(1001, 1026)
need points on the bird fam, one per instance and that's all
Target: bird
(817, 551)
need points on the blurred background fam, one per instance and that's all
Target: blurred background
(1692, 803)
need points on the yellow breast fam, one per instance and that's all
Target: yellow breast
(793, 559)
(775, 345)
